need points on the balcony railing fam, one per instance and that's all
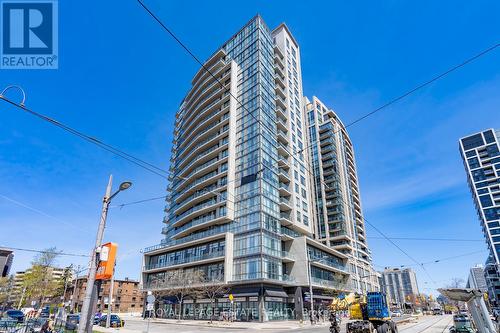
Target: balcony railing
(290, 232)
(327, 261)
(330, 283)
(285, 216)
(186, 260)
(219, 230)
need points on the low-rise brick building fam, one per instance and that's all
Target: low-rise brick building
(127, 297)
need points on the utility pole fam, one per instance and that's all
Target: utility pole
(91, 290)
(110, 299)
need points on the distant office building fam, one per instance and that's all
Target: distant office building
(481, 156)
(6, 258)
(400, 285)
(476, 279)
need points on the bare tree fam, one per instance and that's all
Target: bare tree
(456, 283)
(213, 289)
(181, 283)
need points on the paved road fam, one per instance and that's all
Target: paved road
(427, 324)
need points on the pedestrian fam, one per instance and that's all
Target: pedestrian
(46, 327)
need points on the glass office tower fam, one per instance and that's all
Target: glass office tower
(240, 205)
(481, 156)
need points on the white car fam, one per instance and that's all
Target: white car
(396, 313)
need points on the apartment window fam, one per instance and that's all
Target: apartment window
(473, 163)
(492, 214)
(473, 141)
(471, 153)
(489, 136)
(486, 200)
(302, 179)
(306, 220)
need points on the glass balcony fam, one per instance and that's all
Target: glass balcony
(186, 260)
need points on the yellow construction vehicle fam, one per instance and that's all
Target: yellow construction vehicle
(367, 313)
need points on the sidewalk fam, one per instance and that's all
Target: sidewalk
(270, 325)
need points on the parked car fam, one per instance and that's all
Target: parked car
(45, 312)
(72, 321)
(97, 318)
(396, 313)
(115, 321)
(14, 315)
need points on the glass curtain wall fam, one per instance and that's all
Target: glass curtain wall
(256, 188)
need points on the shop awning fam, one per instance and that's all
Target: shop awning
(275, 293)
(244, 291)
(323, 297)
(245, 294)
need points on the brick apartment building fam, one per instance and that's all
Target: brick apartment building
(127, 296)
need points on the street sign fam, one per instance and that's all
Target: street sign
(150, 307)
(150, 299)
(231, 297)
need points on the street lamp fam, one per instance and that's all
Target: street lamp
(89, 299)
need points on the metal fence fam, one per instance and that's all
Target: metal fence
(32, 325)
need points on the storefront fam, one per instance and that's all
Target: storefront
(252, 303)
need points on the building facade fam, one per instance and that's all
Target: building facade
(476, 278)
(55, 274)
(400, 285)
(240, 207)
(481, 156)
(338, 221)
(127, 296)
(6, 258)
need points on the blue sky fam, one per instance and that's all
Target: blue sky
(121, 79)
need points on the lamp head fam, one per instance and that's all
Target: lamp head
(125, 185)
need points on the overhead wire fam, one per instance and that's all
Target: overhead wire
(61, 253)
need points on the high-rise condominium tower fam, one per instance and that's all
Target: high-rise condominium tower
(338, 221)
(481, 155)
(240, 208)
(400, 285)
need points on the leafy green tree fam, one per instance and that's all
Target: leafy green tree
(38, 282)
(6, 290)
